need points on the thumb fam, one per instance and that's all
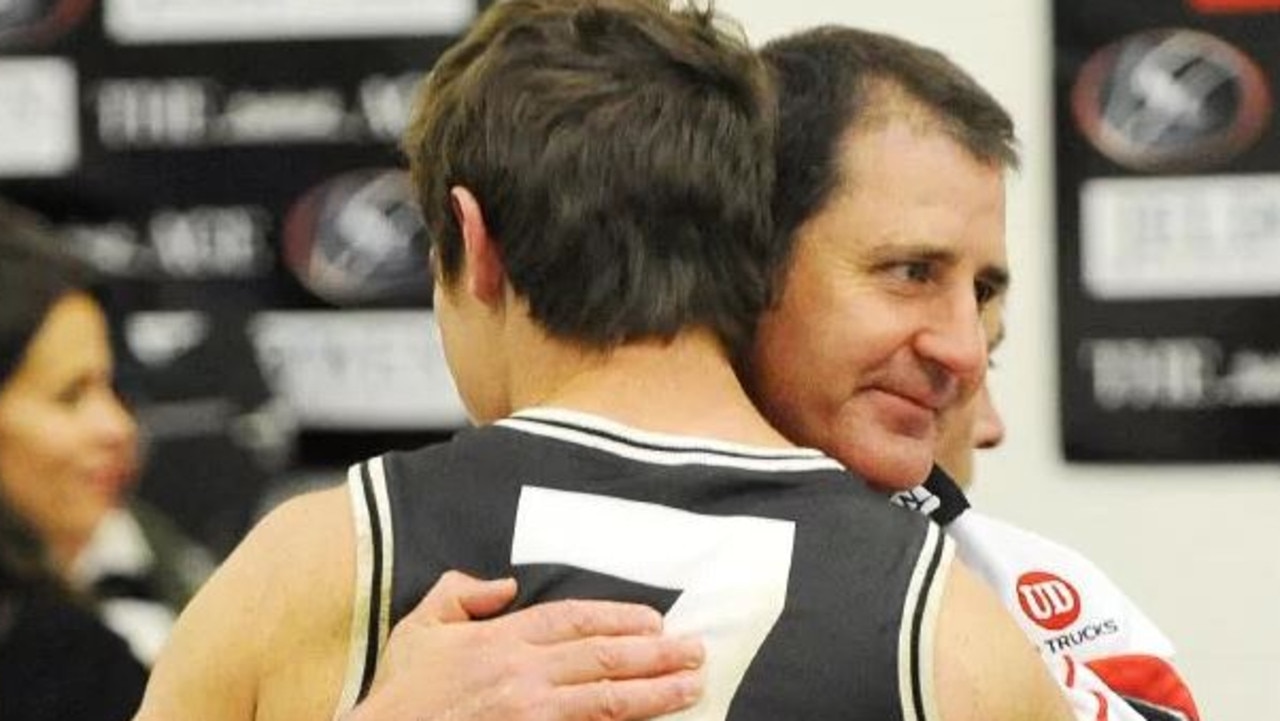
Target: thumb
(457, 597)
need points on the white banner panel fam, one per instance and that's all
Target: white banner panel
(349, 370)
(1183, 237)
(39, 120)
(163, 21)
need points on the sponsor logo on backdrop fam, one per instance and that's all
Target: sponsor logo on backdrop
(1048, 600)
(205, 112)
(358, 239)
(359, 369)
(1171, 99)
(167, 21)
(36, 22)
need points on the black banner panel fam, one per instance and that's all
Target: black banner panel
(234, 163)
(1168, 177)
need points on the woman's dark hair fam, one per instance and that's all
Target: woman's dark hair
(37, 269)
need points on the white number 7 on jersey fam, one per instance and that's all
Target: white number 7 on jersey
(733, 570)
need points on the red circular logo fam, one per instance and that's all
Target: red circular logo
(1171, 100)
(1048, 600)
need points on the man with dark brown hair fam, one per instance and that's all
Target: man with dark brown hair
(889, 205)
(888, 156)
(597, 176)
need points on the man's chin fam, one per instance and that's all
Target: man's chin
(893, 466)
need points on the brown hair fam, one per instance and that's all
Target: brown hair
(832, 80)
(622, 153)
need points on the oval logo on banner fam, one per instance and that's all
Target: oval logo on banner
(38, 21)
(1171, 100)
(358, 238)
(1048, 600)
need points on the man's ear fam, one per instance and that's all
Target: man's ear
(483, 274)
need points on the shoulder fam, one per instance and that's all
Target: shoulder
(472, 441)
(983, 666)
(876, 519)
(284, 594)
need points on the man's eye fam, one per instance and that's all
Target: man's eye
(918, 271)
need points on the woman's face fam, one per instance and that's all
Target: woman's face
(68, 447)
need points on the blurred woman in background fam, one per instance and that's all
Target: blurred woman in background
(89, 582)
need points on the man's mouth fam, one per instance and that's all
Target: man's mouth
(929, 401)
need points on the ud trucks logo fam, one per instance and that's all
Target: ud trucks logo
(1167, 100)
(1049, 601)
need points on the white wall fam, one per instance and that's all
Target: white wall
(1188, 544)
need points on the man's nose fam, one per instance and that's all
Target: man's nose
(954, 339)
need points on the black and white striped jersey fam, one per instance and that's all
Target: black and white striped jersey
(815, 598)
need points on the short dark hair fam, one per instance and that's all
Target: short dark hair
(622, 153)
(832, 80)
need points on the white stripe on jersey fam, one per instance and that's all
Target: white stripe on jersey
(357, 644)
(912, 655)
(604, 425)
(663, 449)
(362, 611)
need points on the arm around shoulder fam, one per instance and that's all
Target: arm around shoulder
(281, 600)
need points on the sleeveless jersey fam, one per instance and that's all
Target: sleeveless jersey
(814, 597)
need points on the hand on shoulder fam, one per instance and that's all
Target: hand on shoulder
(560, 660)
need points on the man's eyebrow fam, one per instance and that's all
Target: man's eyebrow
(890, 249)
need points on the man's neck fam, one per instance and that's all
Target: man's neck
(686, 386)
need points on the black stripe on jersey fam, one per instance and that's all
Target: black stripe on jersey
(541, 582)
(1151, 712)
(917, 622)
(375, 583)
(763, 455)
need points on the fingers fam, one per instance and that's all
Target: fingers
(629, 700)
(558, 621)
(620, 658)
(458, 597)
(488, 597)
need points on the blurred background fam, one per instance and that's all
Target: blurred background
(232, 168)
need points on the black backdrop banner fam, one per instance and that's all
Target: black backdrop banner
(234, 163)
(1168, 177)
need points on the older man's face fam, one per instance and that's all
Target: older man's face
(878, 332)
